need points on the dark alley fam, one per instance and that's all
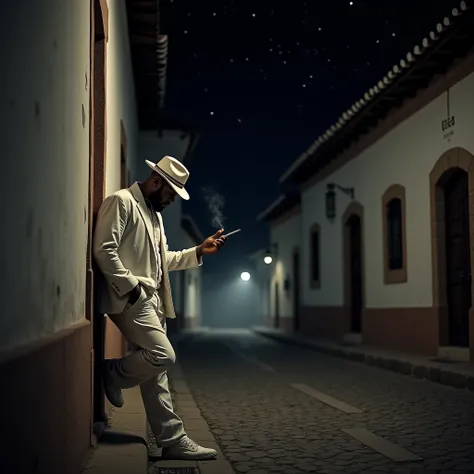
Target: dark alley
(275, 408)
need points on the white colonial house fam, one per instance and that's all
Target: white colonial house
(387, 208)
(282, 285)
(81, 103)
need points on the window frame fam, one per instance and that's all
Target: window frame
(399, 275)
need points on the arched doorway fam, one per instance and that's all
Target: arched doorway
(296, 290)
(452, 184)
(352, 226)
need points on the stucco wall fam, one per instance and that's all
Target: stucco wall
(286, 235)
(120, 99)
(44, 114)
(404, 156)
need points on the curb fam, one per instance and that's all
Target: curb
(438, 372)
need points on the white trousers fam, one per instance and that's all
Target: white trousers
(144, 327)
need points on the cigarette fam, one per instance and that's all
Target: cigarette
(233, 232)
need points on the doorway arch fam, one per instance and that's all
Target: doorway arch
(452, 215)
(353, 268)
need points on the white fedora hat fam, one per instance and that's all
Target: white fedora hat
(175, 173)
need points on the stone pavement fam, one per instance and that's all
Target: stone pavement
(459, 375)
(275, 408)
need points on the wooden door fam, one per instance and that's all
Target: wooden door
(458, 259)
(355, 272)
(96, 196)
(296, 290)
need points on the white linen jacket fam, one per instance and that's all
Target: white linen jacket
(124, 252)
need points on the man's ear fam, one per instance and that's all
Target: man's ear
(157, 180)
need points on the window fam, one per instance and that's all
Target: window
(394, 234)
(394, 237)
(315, 264)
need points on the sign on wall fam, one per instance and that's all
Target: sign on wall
(447, 125)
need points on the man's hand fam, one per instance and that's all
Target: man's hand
(134, 295)
(211, 244)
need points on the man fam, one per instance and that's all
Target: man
(131, 251)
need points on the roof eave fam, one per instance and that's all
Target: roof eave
(364, 108)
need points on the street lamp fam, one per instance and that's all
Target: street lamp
(268, 259)
(245, 276)
(331, 198)
(270, 253)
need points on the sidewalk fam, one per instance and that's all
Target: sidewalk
(122, 447)
(458, 375)
(125, 445)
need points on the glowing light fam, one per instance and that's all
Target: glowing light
(245, 276)
(268, 259)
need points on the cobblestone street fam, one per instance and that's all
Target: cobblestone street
(277, 408)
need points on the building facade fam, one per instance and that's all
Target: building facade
(387, 240)
(282, 284)
(80, 99)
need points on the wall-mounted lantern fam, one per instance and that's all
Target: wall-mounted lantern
(331, 198)
(270, 254)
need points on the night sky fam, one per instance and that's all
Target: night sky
(260, 80)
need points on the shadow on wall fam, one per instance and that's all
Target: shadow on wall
(228, 301)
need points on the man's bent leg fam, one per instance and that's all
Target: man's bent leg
(141, 326)
(166, 425)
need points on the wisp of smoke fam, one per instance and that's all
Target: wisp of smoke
(216, 204)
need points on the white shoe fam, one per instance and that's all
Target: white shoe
(187, 449)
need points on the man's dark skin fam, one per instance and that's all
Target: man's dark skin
(160, 194)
